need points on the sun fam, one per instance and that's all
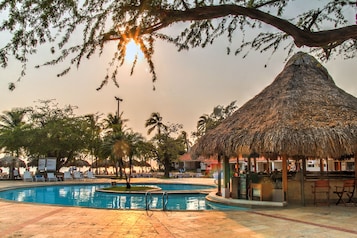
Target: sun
(133, 50)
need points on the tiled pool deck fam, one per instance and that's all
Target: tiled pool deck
(31, 220)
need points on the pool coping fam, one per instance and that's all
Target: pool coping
(211, 194)
(212, 197)
(90, 182)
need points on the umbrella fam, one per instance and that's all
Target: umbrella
(103, 163)
(302, 113)
(78, 163)
(138, 163)
(9, 161)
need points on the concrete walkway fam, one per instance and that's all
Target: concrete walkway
(32, 220)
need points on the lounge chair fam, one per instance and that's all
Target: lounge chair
(4, 175)
(51, 177)
(16, 174)
(67, 176)
(77, 175)
(27, 177)
(90, 175)
(39, 178)
(199, 175)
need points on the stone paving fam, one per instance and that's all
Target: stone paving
(38, 221)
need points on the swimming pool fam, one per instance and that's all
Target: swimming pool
(86, 195)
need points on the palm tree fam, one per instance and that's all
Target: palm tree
(146, 150)
(95, 139)
(166, 146)
(12, 127)
(114, 123)
(135, 140)
(115, 136)
(155, 122)
(12, 119)
(185, 140)
(205, 122)
(208, 122)
(120, 150)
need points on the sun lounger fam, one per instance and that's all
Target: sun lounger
(16, 174)
(199, 175)
(39, 178)
(67, 176)
(51, 177)
(77, 175)
(4, 175)
(90, 175)
(27, 177)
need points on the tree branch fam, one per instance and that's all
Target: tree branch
(324, 39)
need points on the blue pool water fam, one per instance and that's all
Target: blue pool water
(86, 195)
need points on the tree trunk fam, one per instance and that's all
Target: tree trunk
(121, 166)
(127, 179)
(167, 167)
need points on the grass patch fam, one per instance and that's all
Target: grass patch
(125, 189)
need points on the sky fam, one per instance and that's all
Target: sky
(190, 83)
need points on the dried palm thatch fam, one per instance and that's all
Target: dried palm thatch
(302, 113)
(9, 161)
(103, 163)
(78, 163)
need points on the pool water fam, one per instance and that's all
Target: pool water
(86, 195)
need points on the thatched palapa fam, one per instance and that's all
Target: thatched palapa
(302, 113)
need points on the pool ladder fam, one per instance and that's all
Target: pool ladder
(165, 200)
(148, 200)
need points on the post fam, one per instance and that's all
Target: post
(227, 184)
(118, 100)
(285, 177)
(302, 180)
(219, 192)
(355, 162)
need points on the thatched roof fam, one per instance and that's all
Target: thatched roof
(78, 163)
(9, 161)
(302, 113)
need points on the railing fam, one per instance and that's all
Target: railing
(165, 200)
(148, 200)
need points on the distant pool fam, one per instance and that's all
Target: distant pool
(86, 195)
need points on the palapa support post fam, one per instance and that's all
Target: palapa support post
(219, 167)
(321, 166)
(226, 179)
(285, 176)
(355, 165)
(302, 179)
(255, 164)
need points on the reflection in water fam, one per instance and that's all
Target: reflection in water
(86, 196)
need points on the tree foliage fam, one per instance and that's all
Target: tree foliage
(166, 148)
(57, 132)
(323, 27)
(207, 122)
(115, 143)
(12, 131)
